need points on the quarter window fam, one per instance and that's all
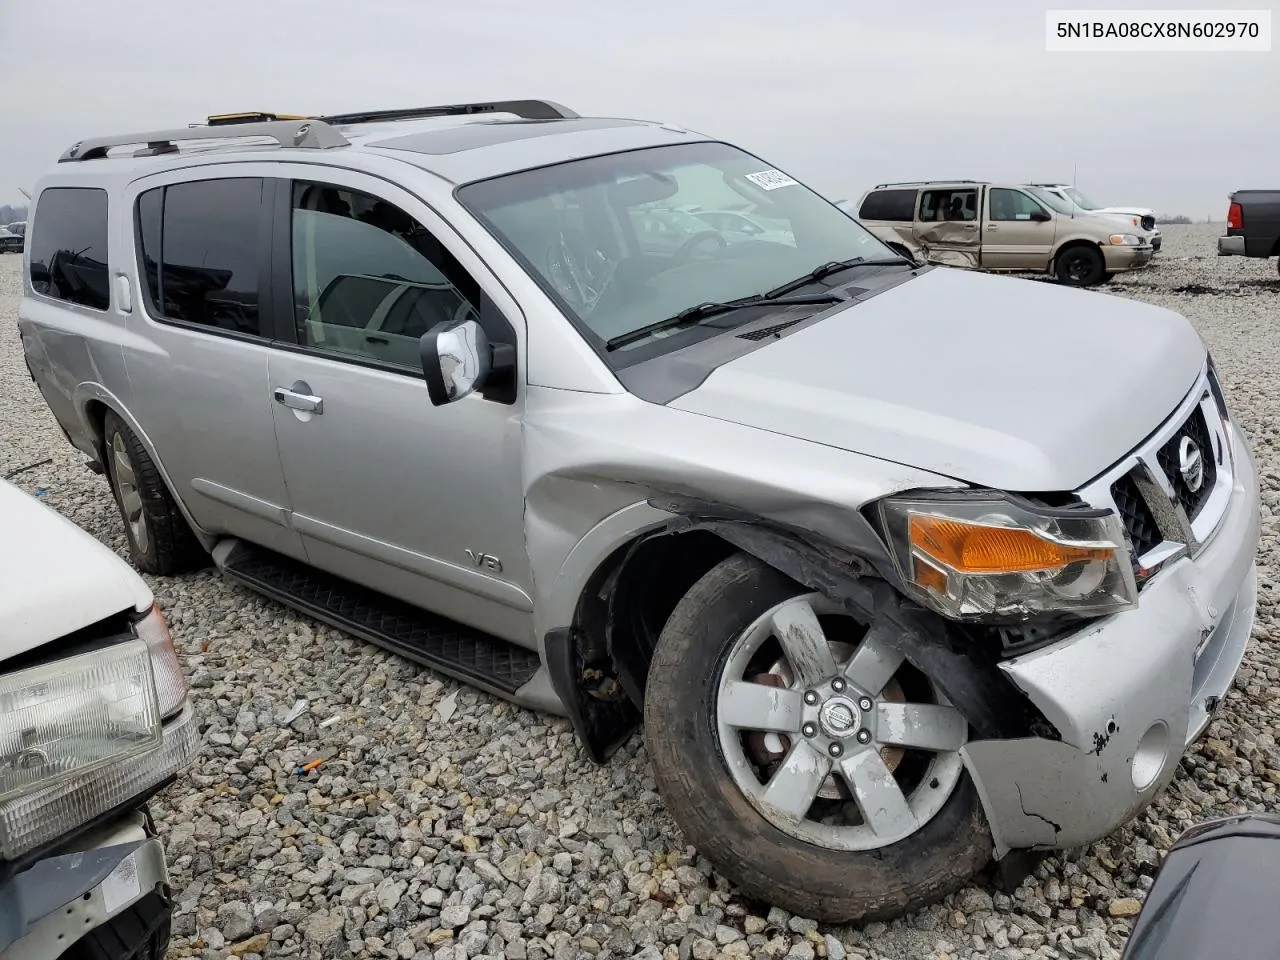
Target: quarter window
(68, 245)
(1012, 205)
(898, 205)
(200, 245)
(369, 280)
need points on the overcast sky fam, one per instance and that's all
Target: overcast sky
(839, 93)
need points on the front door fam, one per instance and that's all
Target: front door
(946, 227)
(420, 502)
(197, 362)
(1018, 231)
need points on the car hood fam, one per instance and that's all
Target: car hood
(54, 577)
(1003, 382)
(1127, 211)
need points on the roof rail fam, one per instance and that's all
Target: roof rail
(921, 183)
(308, 134)
(527, 109)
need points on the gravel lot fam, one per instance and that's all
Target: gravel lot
(449, 824)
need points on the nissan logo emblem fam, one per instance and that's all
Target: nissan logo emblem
(1190, 464)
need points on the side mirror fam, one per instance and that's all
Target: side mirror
(1039, 216)
(458, 359)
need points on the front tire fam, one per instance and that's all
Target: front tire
(1080, 266)
(884, 826)
(160, 541)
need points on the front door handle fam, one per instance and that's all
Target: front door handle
(991, 226)
(299, 401)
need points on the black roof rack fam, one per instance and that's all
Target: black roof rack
(526, 109)
(920, 183)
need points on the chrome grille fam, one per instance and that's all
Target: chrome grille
(1168, 511)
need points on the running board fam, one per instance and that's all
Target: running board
(462, 652)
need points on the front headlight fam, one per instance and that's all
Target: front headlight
(70, 717)
(1124, 240)
(989, 558)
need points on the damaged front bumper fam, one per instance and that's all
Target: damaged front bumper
(109, 891)
(1127, 694)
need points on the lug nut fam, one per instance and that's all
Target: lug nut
(865, 703)
(809, 730)
(835, 749)
(811, 697)
(864, 736)
(838, 685)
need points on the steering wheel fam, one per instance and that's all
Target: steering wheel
(580, 270)
(702, 237)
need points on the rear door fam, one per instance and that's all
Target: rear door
(947, 225)
(1018, 231)
(197, 360)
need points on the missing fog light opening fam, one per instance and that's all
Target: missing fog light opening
(1150, 756)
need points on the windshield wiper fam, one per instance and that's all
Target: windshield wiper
(714, 308)
(835, 266)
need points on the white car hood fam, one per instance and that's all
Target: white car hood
(1015, 384)
(1126, 211)
(54, 577)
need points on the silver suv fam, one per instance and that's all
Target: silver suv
(901, 568)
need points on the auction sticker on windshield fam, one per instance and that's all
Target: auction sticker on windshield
(770, 179)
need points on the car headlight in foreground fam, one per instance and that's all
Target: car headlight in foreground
(1124, 240)
(82, 735)
(990, 558)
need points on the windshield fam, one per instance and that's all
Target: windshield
(1079, 198)
(1053, 200)
(610, 240)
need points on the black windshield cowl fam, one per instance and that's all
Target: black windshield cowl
(835, 266)
(703, 311)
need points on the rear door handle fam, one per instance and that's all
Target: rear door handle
(299, 401)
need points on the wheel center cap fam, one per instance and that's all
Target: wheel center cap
(839, 718)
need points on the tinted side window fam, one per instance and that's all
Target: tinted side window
(369, 280)
(150, 214)
(68, 245)
(209, 253)
(888, 205)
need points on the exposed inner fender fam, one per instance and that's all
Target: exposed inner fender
(966, 673)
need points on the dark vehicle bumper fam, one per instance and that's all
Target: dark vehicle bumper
(107, 900)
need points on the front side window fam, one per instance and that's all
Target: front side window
(368, 279)
(200, 250)
(611, 240)
(68, 246)
(1012, 205)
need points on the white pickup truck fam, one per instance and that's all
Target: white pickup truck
(94, 719)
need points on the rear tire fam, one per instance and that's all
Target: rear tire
(1080, 266)
(160, 540)
(844, 881)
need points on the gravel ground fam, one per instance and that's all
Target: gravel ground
(449, 824)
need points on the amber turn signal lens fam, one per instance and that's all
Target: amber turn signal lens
(981, 549)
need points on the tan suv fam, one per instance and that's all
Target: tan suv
(992, 226)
